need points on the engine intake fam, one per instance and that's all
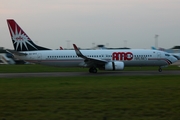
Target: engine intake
(114, 65)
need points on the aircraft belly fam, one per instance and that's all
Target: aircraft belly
(145, 63)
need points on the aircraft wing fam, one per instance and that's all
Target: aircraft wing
(87, 60)
(15, 52)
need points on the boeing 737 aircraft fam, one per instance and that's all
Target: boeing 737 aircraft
(25, 49)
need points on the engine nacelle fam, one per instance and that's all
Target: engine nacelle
(114, 65)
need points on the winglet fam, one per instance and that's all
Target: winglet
(78, 52)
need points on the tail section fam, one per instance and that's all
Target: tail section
(153, 48)
(20, 39)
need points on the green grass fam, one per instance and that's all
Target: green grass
(90, 98)
(37, 68)
(42, 68)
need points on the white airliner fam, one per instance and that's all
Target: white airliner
(25, 49)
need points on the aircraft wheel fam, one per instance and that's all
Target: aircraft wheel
(92, 70)
(160, 69)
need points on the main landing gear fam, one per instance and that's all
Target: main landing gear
(160, 69)
(92, 70)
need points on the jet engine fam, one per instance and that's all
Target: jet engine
(116, 65)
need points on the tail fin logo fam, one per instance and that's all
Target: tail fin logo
(19, 38)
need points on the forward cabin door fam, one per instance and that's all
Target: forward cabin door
(158, 55)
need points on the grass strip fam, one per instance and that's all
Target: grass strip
(90, 98)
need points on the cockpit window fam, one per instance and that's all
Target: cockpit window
(167, 55)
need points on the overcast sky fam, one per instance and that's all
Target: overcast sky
(116, 23)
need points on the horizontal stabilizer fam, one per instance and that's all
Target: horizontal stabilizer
(15, 52)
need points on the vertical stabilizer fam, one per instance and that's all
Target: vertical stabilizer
(20, 39)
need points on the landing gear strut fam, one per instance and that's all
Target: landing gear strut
(92, 70)
(160, 69)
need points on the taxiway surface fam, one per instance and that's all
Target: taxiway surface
(106, 73)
